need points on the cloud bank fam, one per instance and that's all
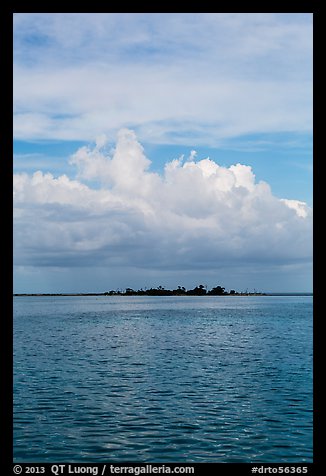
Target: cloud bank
(117, 213)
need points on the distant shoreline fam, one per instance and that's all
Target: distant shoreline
(153, 295)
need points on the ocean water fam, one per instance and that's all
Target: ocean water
(171, 379)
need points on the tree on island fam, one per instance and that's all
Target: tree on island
(197, 291)
(181, 291)
(217, 291)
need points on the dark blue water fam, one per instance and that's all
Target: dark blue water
(172, 379)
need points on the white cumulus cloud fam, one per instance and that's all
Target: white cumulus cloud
(118, 213)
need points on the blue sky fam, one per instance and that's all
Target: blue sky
(119, 121)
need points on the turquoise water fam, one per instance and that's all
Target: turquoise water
(172, 379)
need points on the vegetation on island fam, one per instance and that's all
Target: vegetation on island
(199, 290)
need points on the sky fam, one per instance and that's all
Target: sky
(162, 149)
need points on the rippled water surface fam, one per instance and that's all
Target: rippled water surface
(173, 379)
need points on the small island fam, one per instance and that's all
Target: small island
(199, 290)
